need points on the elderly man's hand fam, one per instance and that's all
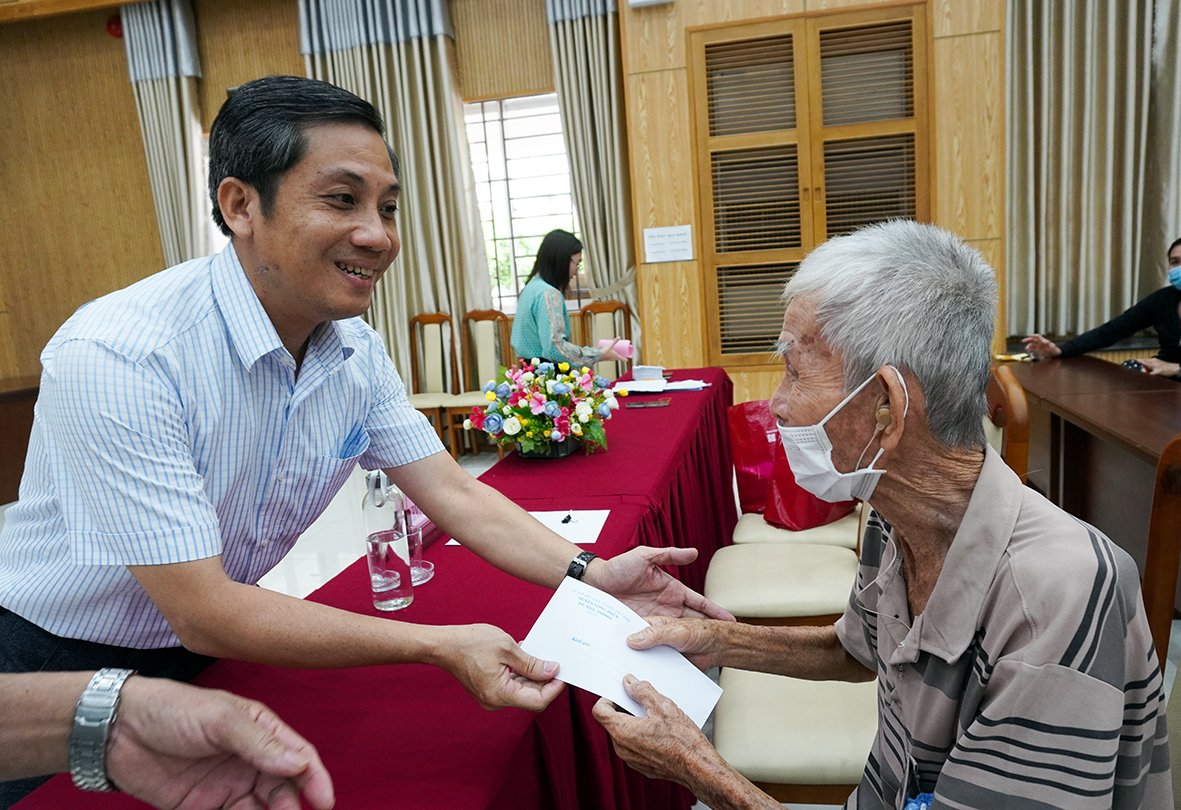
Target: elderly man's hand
(176, 745)
(661, 745)
(637, 579)
(1161, 368)
(696, 639)
(1040, 346)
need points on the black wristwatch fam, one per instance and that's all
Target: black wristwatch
(577, 567)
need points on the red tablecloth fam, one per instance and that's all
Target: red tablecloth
(409, 737)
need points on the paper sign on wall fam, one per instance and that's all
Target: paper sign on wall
(670, 244)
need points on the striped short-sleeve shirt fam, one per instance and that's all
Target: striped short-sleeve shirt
(172, 426)
(1028, 681)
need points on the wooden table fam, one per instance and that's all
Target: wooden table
(1105, 445)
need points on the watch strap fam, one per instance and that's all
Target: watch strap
(577, 567)
(94, 715)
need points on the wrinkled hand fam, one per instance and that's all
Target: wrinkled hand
(1040, 346)
(489, 664)
(637, 580)
(179, 746)
(1161, 368)
(660, 745)
(693, 638)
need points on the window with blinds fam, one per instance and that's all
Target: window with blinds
(805, 128)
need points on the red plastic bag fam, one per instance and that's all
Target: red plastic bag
(754, 442)
(765, 480)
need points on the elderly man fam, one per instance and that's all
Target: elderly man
(1014, 662)
(190, 427)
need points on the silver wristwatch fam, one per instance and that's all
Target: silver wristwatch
(93, 718)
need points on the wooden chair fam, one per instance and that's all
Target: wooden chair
(484, 342)
(1007, 422)
(606, 319)
(432, 366)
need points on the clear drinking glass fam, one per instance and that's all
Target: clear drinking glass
(385, 507)
(388, 554)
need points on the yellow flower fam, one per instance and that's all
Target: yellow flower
(563, 367)
(529, 434)
(585, 370)
(621, 392)
(490, 396)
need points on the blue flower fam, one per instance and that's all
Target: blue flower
(544, 368)
(604, 411)
(552, 409)
(488, 386)
(556, 436)
(493, 423)
(561, 388)
(503, 390)
(601, 382)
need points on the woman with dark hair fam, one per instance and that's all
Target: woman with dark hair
(1160, 310)
(541, 327)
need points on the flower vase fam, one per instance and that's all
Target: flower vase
(552, 450)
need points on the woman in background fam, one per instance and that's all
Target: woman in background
(541, 327)
(1160, 310)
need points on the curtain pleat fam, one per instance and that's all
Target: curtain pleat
(1162, 216)
(1082, 198)
(162, 63)
(398, 55)
(584, 39)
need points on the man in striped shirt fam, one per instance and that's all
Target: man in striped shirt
(1014, 663)
(191, 426)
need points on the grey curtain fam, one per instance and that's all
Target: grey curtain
(162, 62)
(399, 55)
(1093, 158)
(584, 39)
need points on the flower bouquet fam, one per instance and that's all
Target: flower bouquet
(545, 410)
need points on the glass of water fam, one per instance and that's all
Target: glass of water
(388, 554)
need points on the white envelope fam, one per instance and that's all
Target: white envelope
(585, 631)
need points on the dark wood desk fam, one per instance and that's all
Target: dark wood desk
(1105, 445)
(17, 397)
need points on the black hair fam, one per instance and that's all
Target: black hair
(258, 134)
(1170, 250)
(553, 258)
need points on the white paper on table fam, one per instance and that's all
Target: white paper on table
(686, 385)
(585, 630)
(583, 526)
(642, 386)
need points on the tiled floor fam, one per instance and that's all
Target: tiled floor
(336, 540)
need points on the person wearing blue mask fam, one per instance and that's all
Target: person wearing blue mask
(1013, 661)
(1161, 311)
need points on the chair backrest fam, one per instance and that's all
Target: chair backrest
(606, 319)
(432, 354)
(484, 346)
(1007, 420)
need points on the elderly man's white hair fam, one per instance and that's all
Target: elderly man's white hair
(914, 296)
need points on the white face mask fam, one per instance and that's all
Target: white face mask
(809, 454)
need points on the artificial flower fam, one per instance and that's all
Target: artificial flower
(512, 426)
